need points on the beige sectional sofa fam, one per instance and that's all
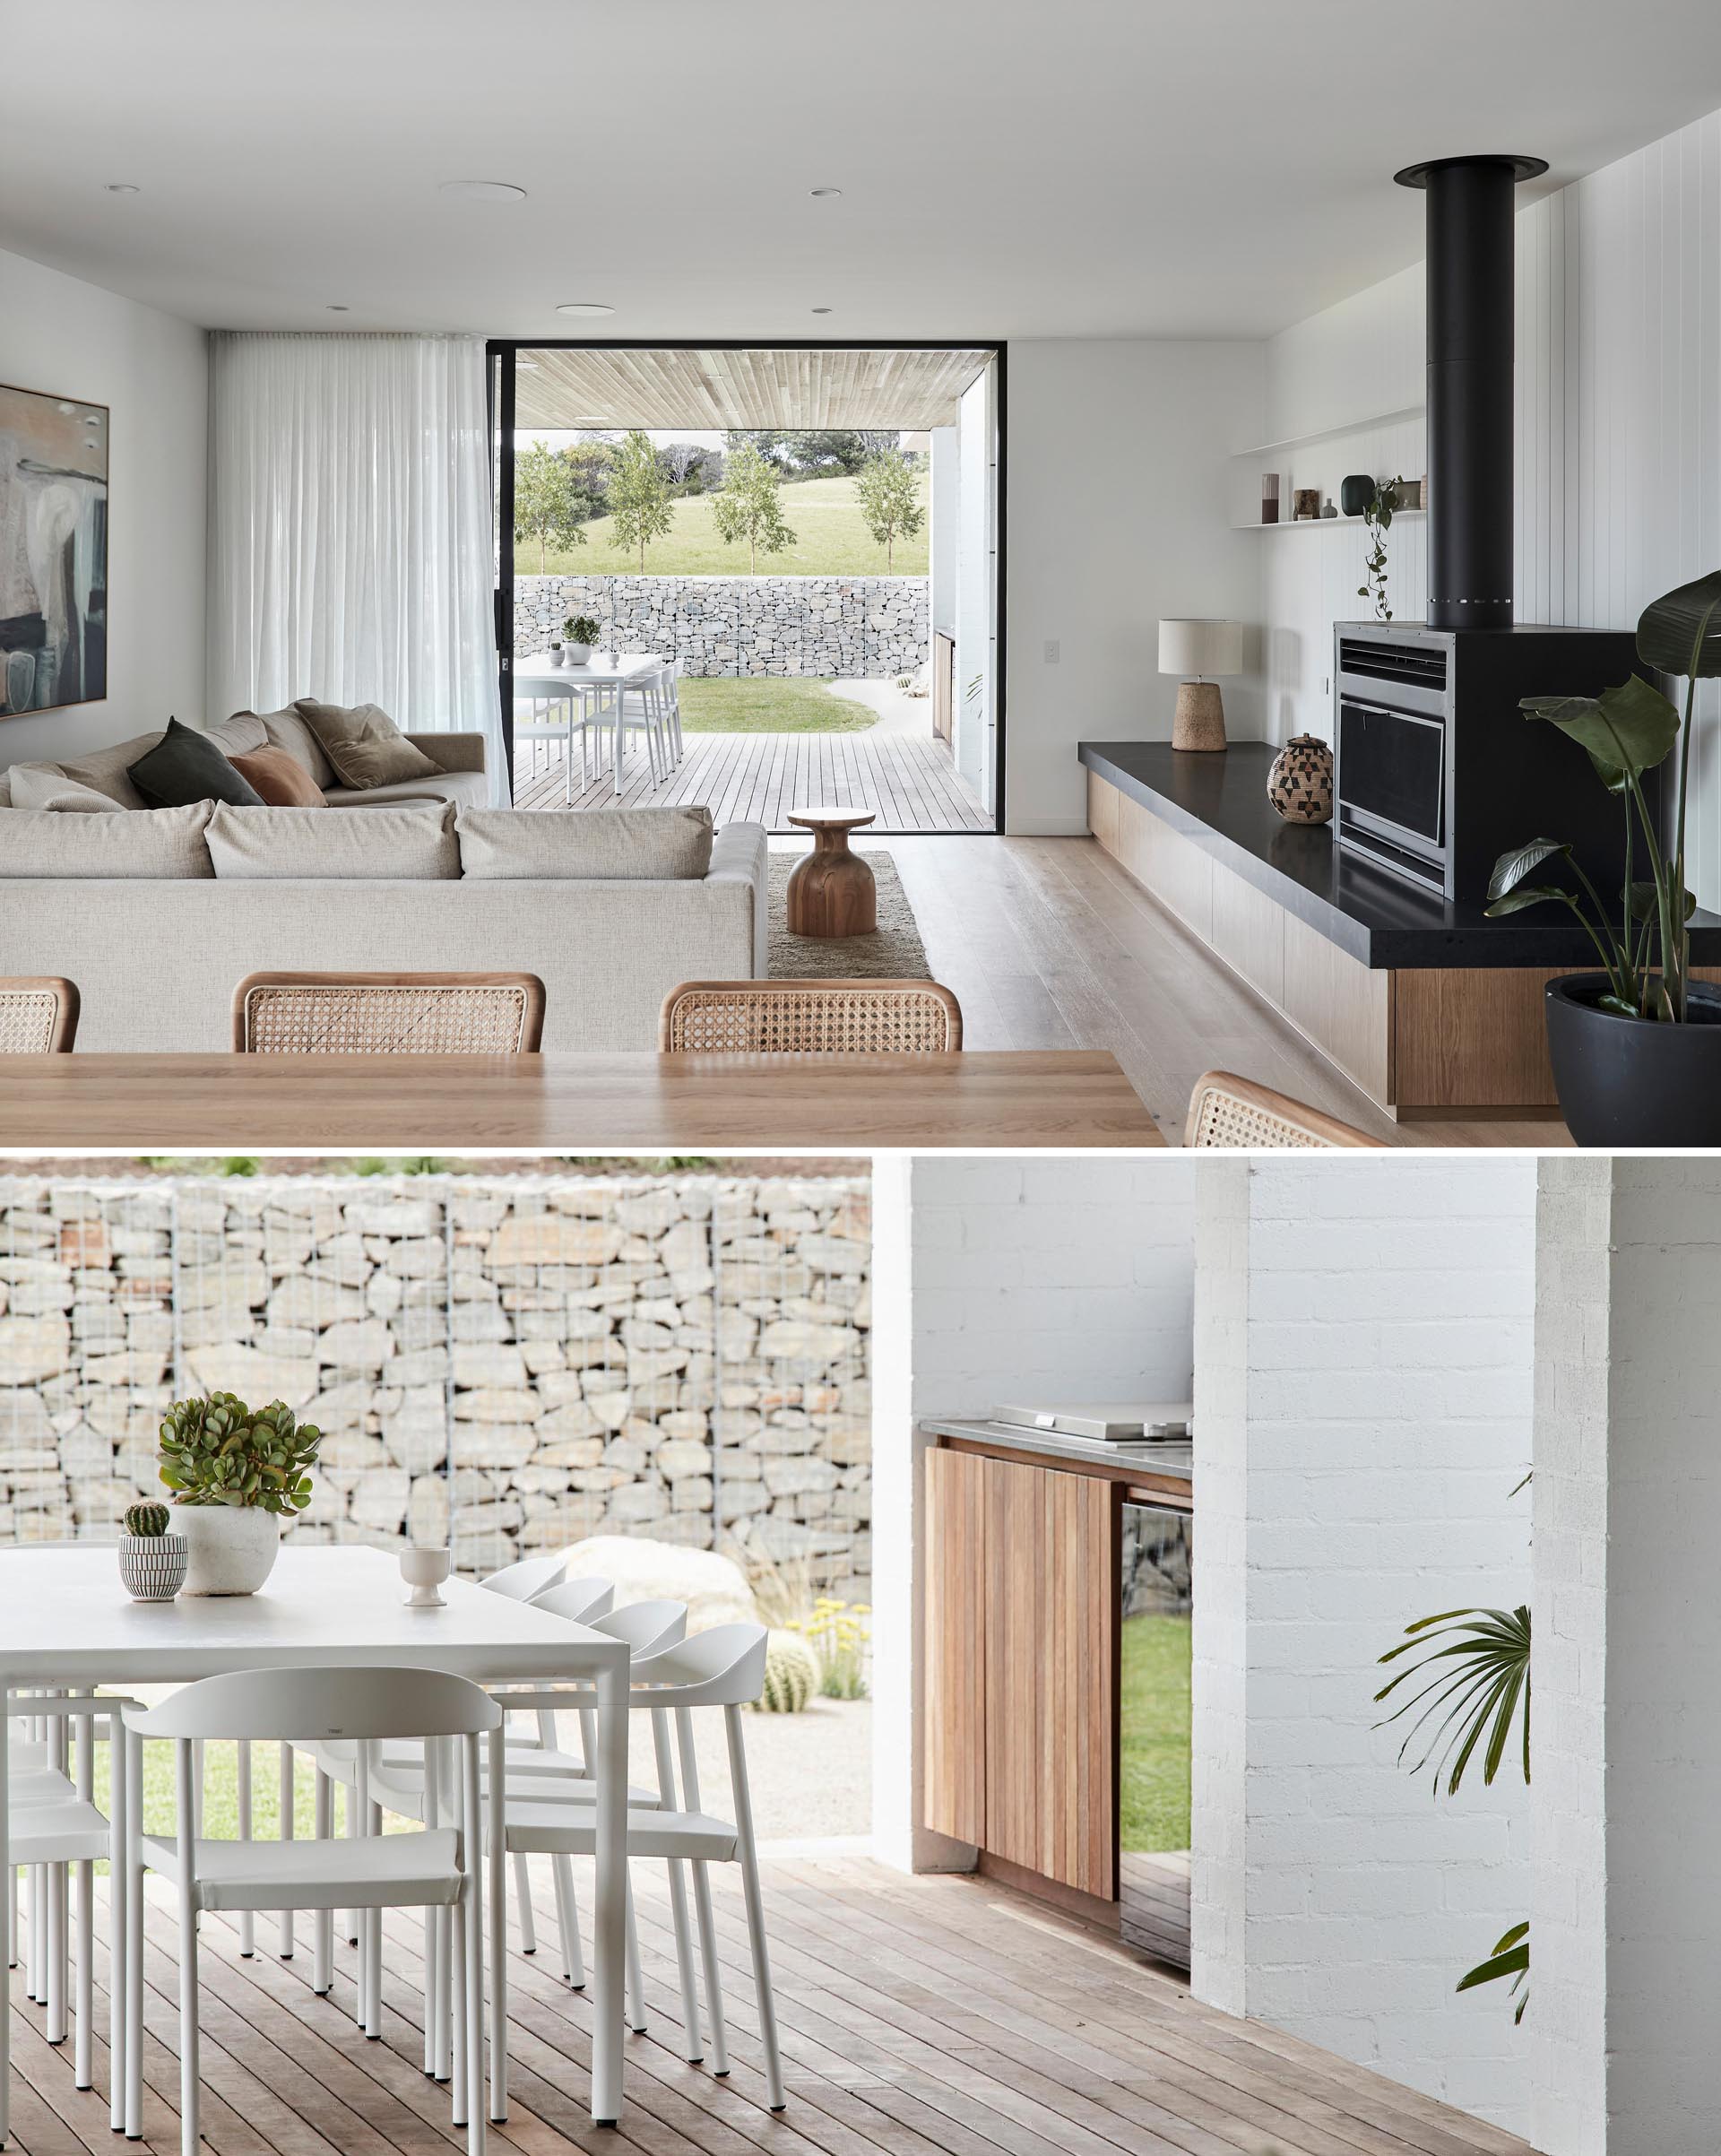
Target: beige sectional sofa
(156, 915)
(459, 758)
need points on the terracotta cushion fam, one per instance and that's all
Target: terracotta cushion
(281, 780)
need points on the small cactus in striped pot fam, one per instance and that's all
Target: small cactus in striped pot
(152, 1559)
(790, 1674)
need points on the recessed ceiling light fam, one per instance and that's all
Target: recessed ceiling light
(584, 307)
(825, 194)
(122, 187)
(483, 190)
(526, 366)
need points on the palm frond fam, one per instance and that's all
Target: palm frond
(1476, 1664)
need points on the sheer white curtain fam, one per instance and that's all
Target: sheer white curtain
(351, 529)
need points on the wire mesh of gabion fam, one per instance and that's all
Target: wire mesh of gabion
(509, 1365)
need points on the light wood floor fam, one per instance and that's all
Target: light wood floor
(920, 2017)
(759, 777)
(1049, 944)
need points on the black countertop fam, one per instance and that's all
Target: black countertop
(1219, 803)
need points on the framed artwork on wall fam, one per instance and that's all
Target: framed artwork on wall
(53, 551)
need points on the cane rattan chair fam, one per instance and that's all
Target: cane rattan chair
(38, 1016)
(810, 1018)
(1225, 1110)
(388, 1013)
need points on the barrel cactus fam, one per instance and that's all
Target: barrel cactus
(790, 1674)
(146, 1521)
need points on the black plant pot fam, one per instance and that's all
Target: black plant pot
(1629, 1081)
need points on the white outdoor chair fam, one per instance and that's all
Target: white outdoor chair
(528, 1576)
(639, 708)
(435, 1869)
(723, 1667)
(56, 1832)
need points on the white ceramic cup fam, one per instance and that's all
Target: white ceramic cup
(424, 1571)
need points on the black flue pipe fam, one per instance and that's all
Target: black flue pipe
(1471, 299)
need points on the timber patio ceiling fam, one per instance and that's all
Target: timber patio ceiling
(816, 386)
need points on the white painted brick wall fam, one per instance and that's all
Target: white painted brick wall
(1044, 1278)
(1362, 1400)
(1627, 1520)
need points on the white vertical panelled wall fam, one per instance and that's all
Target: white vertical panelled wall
(1362, 1405)
(1618, 481)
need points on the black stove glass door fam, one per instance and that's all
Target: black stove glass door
(1392, 769)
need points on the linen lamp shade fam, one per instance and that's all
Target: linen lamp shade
(1199, 649)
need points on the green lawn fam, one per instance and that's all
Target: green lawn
(830, 541)
(770, 703)
(1154, 1782)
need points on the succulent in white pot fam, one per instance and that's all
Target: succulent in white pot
(582, 632)
(236, 1472)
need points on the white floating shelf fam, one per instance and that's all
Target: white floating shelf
(1336, 434)
(1323, 523)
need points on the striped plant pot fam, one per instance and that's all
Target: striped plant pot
(153, 1567)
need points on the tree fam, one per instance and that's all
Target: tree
(770, 442)
(889, 493)
(749, 506)
(546, 502)
(682, 460)
(639, 496)
(590, 460)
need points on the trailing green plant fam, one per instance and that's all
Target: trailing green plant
(581, 629)
(144, 1522)
(790, 1674)
(214, 1450)
(1377, 517)
(1476, 1664)
(1644, 945)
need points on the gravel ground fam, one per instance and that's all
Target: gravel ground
(810, 1774)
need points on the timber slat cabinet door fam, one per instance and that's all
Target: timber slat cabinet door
(952, 1689)
(1021, 1686)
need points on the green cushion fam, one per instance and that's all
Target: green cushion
(186, 767)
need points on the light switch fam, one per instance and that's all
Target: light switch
(1054, 651)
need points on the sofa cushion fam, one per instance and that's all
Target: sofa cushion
(604, 844)
(46, 786)
(286, 730)
(240, 735)
(5, 788)
(163, 843)
(364, 744)
(463, 788)
(184, 767)
(414, 841)
(108, 770)
(279, 781)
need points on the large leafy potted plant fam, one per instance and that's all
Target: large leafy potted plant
(1635, 1048)
(234, 1473)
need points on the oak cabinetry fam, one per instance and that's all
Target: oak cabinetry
(1021, 1672)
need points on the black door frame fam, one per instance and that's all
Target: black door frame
(499, 392)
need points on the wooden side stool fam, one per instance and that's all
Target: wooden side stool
(831, 892)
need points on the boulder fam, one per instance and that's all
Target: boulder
(714, 1587)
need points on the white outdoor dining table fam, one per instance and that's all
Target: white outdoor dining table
(534, 676)
(67, 1622)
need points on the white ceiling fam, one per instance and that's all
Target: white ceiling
(1072, 167)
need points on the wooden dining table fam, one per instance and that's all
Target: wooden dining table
(570, 1103)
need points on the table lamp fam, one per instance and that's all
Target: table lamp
(1195, 650)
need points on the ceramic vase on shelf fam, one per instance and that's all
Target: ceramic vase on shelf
(230, 1548)
(1300, 785)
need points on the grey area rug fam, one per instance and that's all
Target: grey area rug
(893, 952)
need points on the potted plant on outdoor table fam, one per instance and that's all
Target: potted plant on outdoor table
(1635, 1048)
(151, 1557)
(581, 632)
(234, 1473)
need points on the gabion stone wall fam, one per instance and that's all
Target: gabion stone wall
(509, 1363)
(853, 627)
